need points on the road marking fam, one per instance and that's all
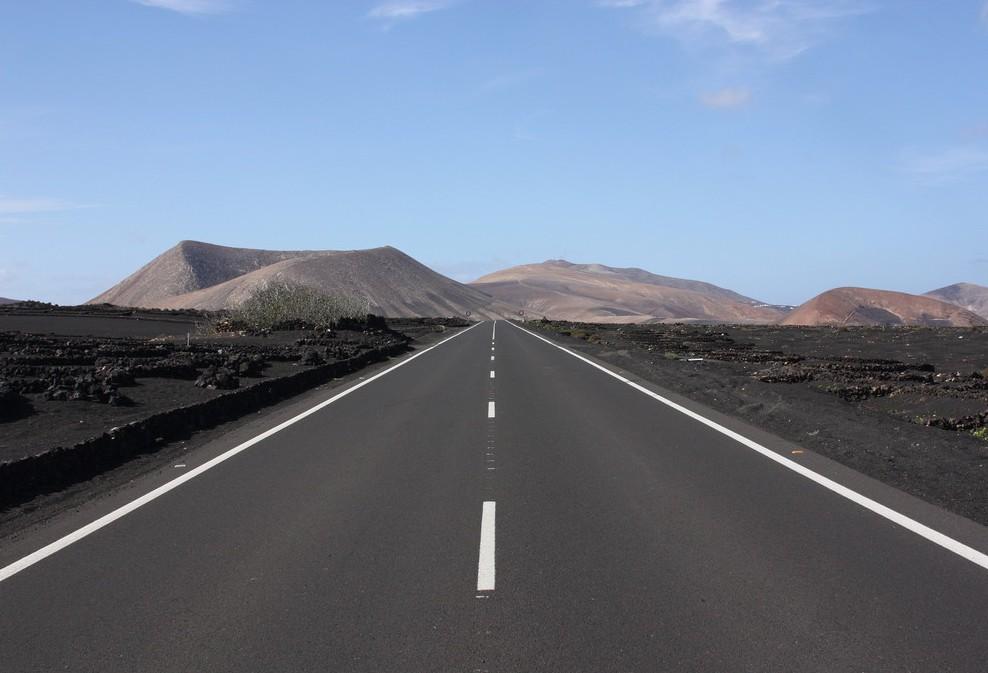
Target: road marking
(492, 358)
(105, 520)
(494, 330)
(485, 565)
(492, 373)
(934, 536)
(490, 409)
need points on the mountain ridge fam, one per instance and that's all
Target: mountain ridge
(564, 290)
(970, 296)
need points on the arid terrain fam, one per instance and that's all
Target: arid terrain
(908, 406)
(558, 289)
(972, 297)
(70, 376)
(195, 275)
(861, 306)
(204, 276)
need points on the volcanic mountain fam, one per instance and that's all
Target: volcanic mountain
(561, 290)
(966, 295)
(861, 306)
(205, 276)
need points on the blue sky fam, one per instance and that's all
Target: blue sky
(775, 147)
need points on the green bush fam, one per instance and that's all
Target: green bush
(294, 306)
(981, 433)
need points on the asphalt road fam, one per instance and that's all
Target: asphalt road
(546, 517)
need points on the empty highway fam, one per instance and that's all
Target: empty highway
(496, 504)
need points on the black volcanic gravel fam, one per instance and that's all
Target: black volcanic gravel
(906, 406)
(57, 390)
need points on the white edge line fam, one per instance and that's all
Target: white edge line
(90, 528)
(485, 562)
(934, 536)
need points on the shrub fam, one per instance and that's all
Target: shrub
(295, 306)
(981, 433)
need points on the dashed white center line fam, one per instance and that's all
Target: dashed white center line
(485, 565)
(492, 358)
(492, 373)
(490, 409)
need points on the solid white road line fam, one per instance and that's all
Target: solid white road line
(485, 564)
(492, 373)
(934, 536)
(490, 409)
(46, 551)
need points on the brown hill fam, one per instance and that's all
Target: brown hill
(861, 306)
(966, 295)
(189, 266)
(204, 276)
(561, 290)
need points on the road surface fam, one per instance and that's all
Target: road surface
(495, 504)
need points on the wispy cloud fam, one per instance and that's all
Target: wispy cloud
(27, 206)
(731, 97)
(945, 165)
(190, 6)
(398, 10)
(781, 29)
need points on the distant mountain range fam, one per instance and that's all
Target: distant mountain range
(205, 276)
(4, 300)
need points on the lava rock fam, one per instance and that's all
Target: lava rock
(218, 378)
(313, 358)
(12, 403)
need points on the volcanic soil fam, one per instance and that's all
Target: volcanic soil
(907, 405)
(64, 379)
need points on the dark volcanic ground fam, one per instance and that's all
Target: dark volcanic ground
(99, 320)
(63, 380)
(907, 406)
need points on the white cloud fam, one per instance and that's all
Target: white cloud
(407, 9)
(945, 165)
(25, 206)
(190, 6)
(780, 28)
(726, 98)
